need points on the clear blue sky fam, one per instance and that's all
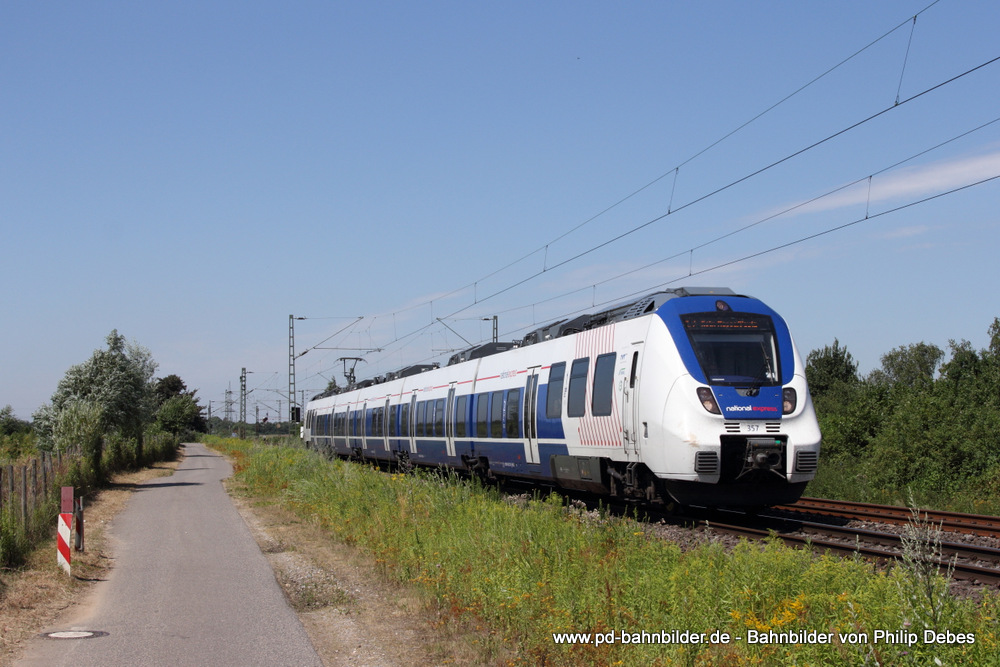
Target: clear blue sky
(191, 173)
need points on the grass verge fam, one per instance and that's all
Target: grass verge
(533, 571)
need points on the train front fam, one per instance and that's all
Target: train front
(738, 427)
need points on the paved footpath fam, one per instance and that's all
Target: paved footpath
(189, 585)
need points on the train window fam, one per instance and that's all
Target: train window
(422, 422)
(604, 385)
(553, 402)
(393, 414)
(482, 413)
(635, 367)
(404, 420)
(734, 348)
(496, 414)
(439, 418)
(513, 412)
(461, 411)
(577, 402)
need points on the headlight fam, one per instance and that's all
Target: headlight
(707, 399)
(789, 399)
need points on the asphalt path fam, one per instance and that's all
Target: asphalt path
(189, 585)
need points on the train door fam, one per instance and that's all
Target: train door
(383, 425)
(630, 406)
(531, 416)
(449, 422)
(412, 421)
(366, 428)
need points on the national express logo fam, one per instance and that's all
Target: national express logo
(751, 408)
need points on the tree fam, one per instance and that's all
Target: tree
(117, 382)
(16, 437)
(78, 424)
(168, 387)
(965, 364)
(909, 365)
(177, 408)
(180, 414)
(11, 425)
(829, 367)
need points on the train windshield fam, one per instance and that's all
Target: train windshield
(734, 349)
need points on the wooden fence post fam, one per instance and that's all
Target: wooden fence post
(34, 485)
(10, 486)
(45, 479)
(24, 495)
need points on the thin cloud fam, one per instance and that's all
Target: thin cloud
(905, 183)
(906, 232)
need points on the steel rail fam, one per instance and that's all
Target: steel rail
(959, 570)
(975, 524)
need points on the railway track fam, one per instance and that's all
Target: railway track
(821, 526)
(795, 525)
(973, 563)
(969, 524)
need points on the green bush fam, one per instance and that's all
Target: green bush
(16, 446)
(904, 430)
(14, 542)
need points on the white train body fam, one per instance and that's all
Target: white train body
(696, 396)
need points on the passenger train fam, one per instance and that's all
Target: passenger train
(693, 396)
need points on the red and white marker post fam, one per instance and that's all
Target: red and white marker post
(65, 530)
(62, 541)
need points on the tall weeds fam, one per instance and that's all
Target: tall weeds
(522, 571)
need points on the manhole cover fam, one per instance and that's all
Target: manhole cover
(74, 634)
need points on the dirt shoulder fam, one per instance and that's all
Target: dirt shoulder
(354, 615)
